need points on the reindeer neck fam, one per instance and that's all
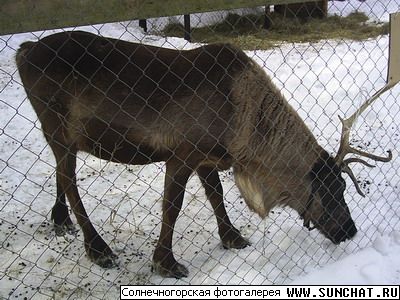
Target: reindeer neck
(268, 129)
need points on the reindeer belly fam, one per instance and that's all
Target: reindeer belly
(116, 144)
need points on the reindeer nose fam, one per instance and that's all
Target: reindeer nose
(350, 228)
(347, 231)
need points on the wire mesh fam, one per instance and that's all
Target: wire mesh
(320, 80)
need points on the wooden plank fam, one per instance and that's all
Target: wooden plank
(394, 50)
(33, 15)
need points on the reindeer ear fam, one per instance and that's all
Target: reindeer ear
(322, 167)
(315, 175)
(324, 175)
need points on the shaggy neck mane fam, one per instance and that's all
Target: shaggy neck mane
(273, 149)
(267, 128)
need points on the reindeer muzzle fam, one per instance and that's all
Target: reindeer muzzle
(347, 231)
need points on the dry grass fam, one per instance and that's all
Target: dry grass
(247, 31)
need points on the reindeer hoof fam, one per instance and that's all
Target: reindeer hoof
(63, 223)
(64, 229)
(177, 270)
(236, 244)
(99, 252)
(106, 261)
(233, 240)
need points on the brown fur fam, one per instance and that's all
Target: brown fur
(202, 110)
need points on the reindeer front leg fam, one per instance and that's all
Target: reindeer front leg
(230, 236)
(176, 177)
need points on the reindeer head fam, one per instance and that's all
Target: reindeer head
(278, 162)
(326, 207)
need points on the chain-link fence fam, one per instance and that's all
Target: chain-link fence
(138, 104)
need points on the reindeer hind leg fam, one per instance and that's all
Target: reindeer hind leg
(60, 213)
(97, 250)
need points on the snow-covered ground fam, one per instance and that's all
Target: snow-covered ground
(379, 263)
(320, 80)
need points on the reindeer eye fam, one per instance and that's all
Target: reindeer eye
(323, 219)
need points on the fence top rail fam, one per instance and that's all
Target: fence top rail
(32, 15)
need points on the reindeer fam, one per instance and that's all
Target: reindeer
(202, 110)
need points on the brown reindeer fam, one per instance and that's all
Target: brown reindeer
(203, 110)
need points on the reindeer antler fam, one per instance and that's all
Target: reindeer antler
(393, 78)
(345, 147)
